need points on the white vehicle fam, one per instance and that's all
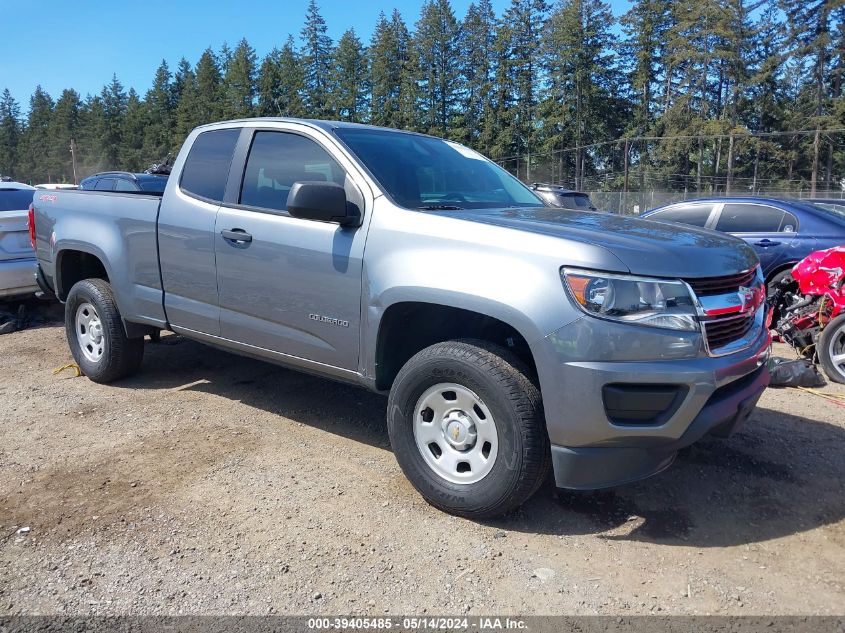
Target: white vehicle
(17, 257)
(56, 186)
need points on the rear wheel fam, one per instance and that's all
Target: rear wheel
(831, 349)
(466, 426)
(96, 335)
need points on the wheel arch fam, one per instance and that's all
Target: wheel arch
(75, 263)
(409, 326)
(779, 269)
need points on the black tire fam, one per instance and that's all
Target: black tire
(833, 332)
(774, 283)
(501, 381)
(121, 356)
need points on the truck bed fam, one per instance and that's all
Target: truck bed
(116, 226)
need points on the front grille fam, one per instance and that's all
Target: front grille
(724, 331)
(709, 286)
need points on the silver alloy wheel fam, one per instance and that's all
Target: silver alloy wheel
(836, 350)
(455, 433)
(89, 332)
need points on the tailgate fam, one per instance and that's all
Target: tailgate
(14, 235)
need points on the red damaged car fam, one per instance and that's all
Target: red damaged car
(811, 307)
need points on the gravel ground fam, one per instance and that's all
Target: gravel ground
(212, 484)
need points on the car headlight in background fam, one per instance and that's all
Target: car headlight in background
(636, 300)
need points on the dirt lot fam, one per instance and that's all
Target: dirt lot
(214, 484)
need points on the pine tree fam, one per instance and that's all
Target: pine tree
(268, 84)
(407, 113)
(136, 151)
(186, 115)
(158, 113)
(350, 79)
(209, 107)
(477, 67)
(518, 46)
(10, 130)
(810, 23)
(436, 46)
(35, 141)
(181, 78)
(64, 127)
(114, 102)
(292, 85)
(384, 72)
(317, 60)
(580, 107)
(92, 134)
(645, 25)
(239, 83)
(393, 74)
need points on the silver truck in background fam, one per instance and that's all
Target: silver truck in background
(17, 259)
(509, 336)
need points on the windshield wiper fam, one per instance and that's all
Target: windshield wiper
(440, 207)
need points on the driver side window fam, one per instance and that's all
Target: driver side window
(279, 159)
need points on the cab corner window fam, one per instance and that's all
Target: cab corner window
(207, 166)
(279, 159)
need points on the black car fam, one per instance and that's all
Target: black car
(557, 196)
(125, 181)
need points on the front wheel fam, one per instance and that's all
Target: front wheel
(831, 349)
(96, 335)
(466, 426)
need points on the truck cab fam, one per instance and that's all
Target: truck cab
(509, 337)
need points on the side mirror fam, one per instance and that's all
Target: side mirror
(321, 201)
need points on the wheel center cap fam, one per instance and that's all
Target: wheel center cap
(459, 430)
(96, 330)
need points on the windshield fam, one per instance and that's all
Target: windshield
(421, 172)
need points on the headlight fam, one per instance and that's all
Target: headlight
(636, 300)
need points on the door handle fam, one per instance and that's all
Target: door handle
(238, 236)
(767, 242)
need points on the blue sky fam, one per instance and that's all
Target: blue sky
(61, 44)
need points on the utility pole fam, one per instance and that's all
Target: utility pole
(73, 160)
(625, 181)
(730, 178)
(815, 175)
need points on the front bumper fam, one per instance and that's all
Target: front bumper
(17, 278)
(589, 450)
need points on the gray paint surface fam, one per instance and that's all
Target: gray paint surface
(262, 299)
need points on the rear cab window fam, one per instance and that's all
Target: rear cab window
(206, 169)
(693, 214)
(755, 218)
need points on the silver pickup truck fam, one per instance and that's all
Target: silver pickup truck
(509, 336)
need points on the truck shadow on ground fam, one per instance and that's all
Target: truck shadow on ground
(781, 475)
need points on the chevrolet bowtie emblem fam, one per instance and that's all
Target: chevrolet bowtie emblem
(746, 298)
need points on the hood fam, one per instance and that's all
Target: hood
(646, 247)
